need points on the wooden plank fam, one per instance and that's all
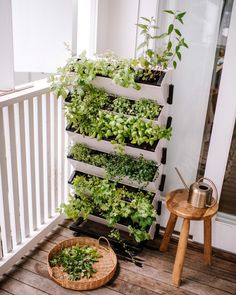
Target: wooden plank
(39, 279)
(24, 178)
(18, 288)
(36, 272)
(15, 203)
(4, 205)
(2, 292)
(163, 270)
(115, 287)
(11, 258)
(194, 261)
(40, 158)
(32, 162)
(49, 157)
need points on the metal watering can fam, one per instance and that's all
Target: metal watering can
(200, 193)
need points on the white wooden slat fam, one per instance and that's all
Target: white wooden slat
(23, 167)
(55, 164)
(23, 180)
(40, 158)
(32, 162)
(30, 90)
(49, 158)
(62, 152)
(4, 205)
(14, 209)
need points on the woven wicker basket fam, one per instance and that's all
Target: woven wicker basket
(105, 267)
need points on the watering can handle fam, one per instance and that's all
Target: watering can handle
(216, 198)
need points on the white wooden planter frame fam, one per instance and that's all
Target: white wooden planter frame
(151, 186)
(160, 95)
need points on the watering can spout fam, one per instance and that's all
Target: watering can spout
(182, 179)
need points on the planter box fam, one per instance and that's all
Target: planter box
(107, 147)
(152, 186)
(158, 93)
(161, 120)
(122, 227)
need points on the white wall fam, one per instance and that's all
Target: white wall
(6, 46)
(116, 30)
(191, 79)
(40, 29)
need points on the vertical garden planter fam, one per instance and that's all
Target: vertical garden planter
(157, 152)
(159, 92)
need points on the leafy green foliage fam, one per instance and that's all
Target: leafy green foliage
(146, 108)
(142, 108)
(77, 261)
(120, 166)
(173, 41)
(121, 105)
(112, 203)
(129, 130)
(125, 72)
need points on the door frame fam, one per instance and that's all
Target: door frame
(224, 225)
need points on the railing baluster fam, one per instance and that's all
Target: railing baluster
(16, 229)
(61, 158)
(40, 158)
(23, 180)
(32, 169)
(55, 164)
(32, 161)
(49, 157)
(4, 201)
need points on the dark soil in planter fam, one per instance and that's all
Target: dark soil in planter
(118, 185)
(156, 81)
(143, 146)
(158, 76)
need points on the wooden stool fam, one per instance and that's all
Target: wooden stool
(176, 202)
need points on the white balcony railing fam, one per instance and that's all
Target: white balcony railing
(33, 169)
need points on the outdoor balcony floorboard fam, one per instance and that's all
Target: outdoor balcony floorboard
(30, 276)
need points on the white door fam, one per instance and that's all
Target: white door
(222, 143)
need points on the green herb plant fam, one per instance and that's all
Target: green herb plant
(118, 165)
(142, 108)
(173, 42)
(106, 199)
(77, 261)
(125, 72)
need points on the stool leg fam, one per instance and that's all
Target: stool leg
(207, 241)
(181, 251)
(168, 232)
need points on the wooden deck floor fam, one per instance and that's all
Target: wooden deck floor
(30, 277)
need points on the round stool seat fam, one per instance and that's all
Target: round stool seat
(177, 204)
